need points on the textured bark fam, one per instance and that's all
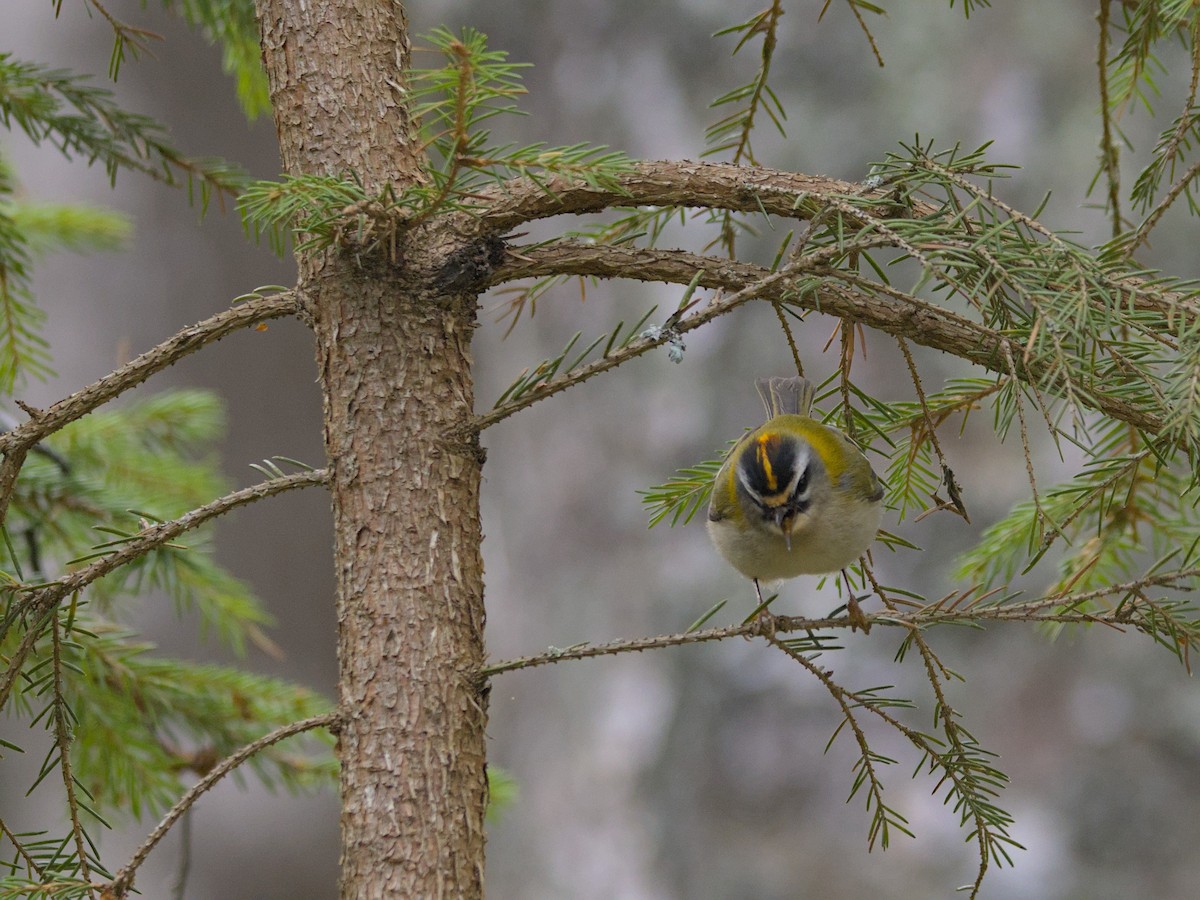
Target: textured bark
(394, 362)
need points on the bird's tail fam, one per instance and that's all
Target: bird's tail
(782, 396)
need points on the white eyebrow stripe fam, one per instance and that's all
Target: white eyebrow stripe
(803, 461)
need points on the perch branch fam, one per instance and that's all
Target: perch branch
(1052, 608)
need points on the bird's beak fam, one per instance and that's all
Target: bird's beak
(783, 520)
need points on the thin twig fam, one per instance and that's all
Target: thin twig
(1160, 210)
(123, 30)
(930, 426)
(41, 599)
(1019, 403)
(19, 848)
(614, 648)
(119, 887)
(768, 27)
(63, 740)
(1108, 147)
(1171, 151)
(935, 672)
(1034, 610)
(862, 23)
(846, 360)
(16, 443)
(770, 283)
(961, 786)
(873, 304)
(787, 333)
(847, 701)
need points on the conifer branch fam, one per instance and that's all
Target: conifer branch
(121, 885)
(84, 121)
(734, 130)
(769, 284)
(961, 743)
(15, 444)
(883, 817)
(22, 853)
(954, 609)
(752, 189)
(60, 716)
(40, 600)
(1109, 153)
(588, 650)
(869, 303)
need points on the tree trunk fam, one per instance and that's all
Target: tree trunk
(394, 362)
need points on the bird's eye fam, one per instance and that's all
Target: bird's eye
(801, 487)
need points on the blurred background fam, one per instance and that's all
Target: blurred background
(695, 772)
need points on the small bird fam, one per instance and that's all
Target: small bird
(793, 497)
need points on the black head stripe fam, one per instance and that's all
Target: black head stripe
(768, 467)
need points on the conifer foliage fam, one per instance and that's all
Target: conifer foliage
(102, 500)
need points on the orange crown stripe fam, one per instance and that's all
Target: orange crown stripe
(763, 456)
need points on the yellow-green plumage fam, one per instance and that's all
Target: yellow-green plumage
(794, 497)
